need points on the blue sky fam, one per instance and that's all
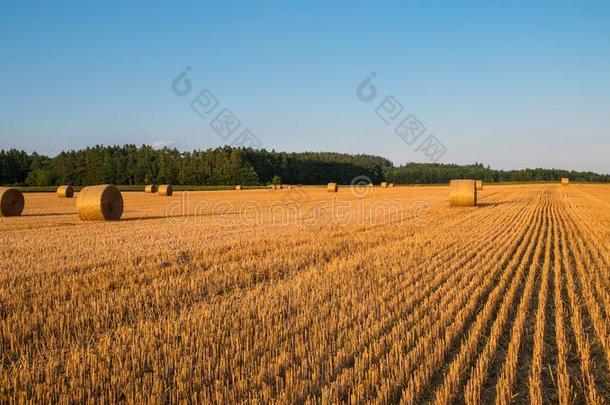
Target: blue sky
(510, 84)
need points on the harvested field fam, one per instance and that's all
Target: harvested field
(380, 296)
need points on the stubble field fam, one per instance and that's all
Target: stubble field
(292, 296)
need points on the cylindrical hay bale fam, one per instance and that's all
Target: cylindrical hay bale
(332, 187)
(384, 184)
(462, 193)
(166, 190)
(479, 184)
(391, 185)
(238, 187)
(65, 192)
(565, 181)
(11, 202)
(99, 203)
(151, 188)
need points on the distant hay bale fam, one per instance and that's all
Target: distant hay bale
(289, 187)
(463, 193)
(166, 190)
(384, 184)
(332, 187)
(391, 185)
(565, 181)
(11, 202)
(151, 188)
(479, 184)
(65, 192)
(99, 203)
(238, 187)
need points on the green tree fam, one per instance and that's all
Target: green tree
(276, 180)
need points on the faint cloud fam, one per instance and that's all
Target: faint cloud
(162, 143)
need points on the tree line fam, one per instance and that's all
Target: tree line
(131, 165)
(427, 173)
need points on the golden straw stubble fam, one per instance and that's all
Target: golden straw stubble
(166, 190)
(332, 187)
(65, 192)
(11, 202)
(521, 289)
(99, 203)
(462, 193)
(151, 188)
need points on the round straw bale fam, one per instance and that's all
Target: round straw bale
(462, 193)
(332, 187)
(151, 188)
(565, 181)
(99, 203)
(11, 202)
(238, 187)
(384, 184)
(166, 190)
(479, 184)
(65, 192)
(391, 185)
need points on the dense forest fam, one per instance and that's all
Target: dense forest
(129, 164)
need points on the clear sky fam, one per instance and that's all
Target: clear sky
(510, 84)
